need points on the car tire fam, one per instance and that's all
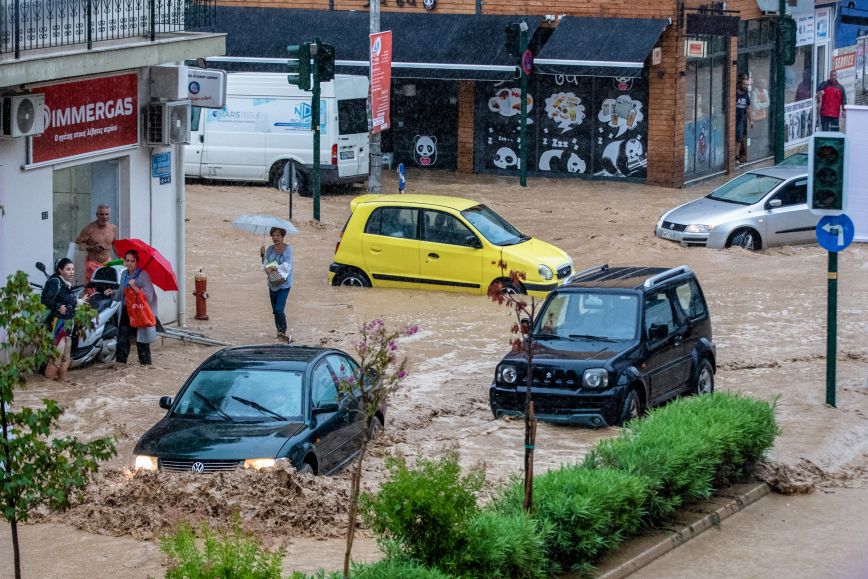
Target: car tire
(301, 184)
(746, 239)
(375, 428)
(508, 287)
(351, 278)
(631, 408)
(306, 468)
(704, 382)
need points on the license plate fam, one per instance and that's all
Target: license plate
(348, 155)
(666, 234)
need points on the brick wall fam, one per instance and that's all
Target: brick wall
(466, 117)
(666, 113)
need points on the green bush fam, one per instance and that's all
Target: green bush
(690, 446)
(224, 555)
(425, 509)
(392, 569)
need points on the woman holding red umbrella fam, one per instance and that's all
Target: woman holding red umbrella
(139, 281)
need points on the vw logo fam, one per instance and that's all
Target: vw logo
(198, 467)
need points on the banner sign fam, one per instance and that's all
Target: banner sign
(804, 29)
(88, 116)
(381, 80)
(798, 122)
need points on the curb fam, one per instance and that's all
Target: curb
(683, 532)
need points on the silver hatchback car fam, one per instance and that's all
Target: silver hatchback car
(758, 209)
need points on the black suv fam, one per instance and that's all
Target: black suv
(610, 343)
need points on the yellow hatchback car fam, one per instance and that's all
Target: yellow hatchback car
(441, 243)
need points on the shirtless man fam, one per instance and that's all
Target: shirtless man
(96, 239)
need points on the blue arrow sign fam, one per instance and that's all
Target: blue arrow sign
(402, 181)
(835, 232)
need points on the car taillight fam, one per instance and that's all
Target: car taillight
(335, 154)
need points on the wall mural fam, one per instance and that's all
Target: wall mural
(583, 126)
(425, 150)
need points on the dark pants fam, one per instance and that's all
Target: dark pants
(278, 305)
(830, 123)
(125, 332)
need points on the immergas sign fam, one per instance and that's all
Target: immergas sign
(87, 117)
(206, 88)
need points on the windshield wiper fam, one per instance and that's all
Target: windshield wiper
(552, 337)
(210, 403)
(259, 407)
(591, 337)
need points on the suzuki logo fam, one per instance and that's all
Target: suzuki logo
(198, 467)
(548, 375)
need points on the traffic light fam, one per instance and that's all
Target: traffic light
(326, 62)
(299, 65)
(787, 31)
(512, 44)
(826, 173)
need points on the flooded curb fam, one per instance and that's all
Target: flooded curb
(687, 524)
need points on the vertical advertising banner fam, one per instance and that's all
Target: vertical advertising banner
(88, 116)
(381, 80)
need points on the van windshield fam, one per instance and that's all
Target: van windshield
(352, 116)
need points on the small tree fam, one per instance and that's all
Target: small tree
(36, 469)
(505, 292)
(379, 374)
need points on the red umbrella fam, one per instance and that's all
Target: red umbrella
(151, 261)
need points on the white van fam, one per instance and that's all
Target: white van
(266, 124)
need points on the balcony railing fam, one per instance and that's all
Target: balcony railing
(34, 24)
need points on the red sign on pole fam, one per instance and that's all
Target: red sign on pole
(381, 80)
(88, 116)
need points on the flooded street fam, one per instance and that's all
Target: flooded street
(768, 314)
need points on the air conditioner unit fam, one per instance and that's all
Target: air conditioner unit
(167, 123)
(23, 115)
(168, 82)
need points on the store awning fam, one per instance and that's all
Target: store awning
(424, 45)
(599, 46)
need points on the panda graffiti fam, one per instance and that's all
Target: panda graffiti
(425, 150)
(623, 158)
(505, 158)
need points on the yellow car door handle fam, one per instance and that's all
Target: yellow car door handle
(433, 255)
(376, 250)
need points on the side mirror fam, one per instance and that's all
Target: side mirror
(472, 241)
(165, 402)
(526, 325)
(325, 408)
(41, 267)
(658, 332)
(774, 203)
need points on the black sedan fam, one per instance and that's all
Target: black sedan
(258, 406)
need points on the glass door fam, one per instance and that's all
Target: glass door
(705, 111)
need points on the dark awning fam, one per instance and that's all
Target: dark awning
(424, 45)
(599, 46)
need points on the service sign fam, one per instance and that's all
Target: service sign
(206, 88)
(88, 116)
(381, 79)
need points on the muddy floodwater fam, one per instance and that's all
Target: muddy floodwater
(769, 320)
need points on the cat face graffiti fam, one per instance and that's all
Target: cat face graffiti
(425, 150)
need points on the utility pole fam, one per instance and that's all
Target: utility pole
(375, 139)
(314, 124)
(785, 55)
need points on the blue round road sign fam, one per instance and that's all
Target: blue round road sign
(835, 232)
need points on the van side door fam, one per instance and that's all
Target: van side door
(353, 158)
(193, 151)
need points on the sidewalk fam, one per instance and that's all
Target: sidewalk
(751, 533)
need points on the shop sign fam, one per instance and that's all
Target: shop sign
(87, 116)
(804, 29)
(161, 167)
(381, 80)
(695, 48)
(821, 24)
(206, 88)
(798, 122)
(844, 63)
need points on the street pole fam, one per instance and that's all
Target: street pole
(780, 82)
(522, 42)
(314, 124)
(375, 139)
(832, 330)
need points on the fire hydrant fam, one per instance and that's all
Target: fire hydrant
(201, 295)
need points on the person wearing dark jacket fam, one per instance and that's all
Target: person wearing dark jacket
(58, 297)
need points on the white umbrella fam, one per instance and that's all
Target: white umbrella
(262, 224)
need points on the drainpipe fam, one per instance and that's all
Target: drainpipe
(181, 273)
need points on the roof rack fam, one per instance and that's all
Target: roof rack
(578, 274)
(663, 276)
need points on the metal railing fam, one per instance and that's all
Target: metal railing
(34, 24)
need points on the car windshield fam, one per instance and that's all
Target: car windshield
(590, 315)
(746, 189)
(492, 226)
(242, 395)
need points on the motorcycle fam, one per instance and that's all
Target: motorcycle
(100, 343)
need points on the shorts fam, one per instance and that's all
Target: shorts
(62, 352)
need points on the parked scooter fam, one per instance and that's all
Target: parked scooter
(100, 343)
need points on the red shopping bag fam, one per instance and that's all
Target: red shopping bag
(138, 309)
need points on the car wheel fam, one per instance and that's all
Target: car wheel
(508, 287)
(375, 428)
(306, 468)
(631, 408)
(746, 239)
(704, 378)
(351, 278)
(300, 184)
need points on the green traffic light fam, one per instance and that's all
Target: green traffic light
(826, 182)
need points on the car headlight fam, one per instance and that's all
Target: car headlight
(696, 228)
(258, 463)
(545, 271)
(508, 374)
(595, 378)
(145, 462)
